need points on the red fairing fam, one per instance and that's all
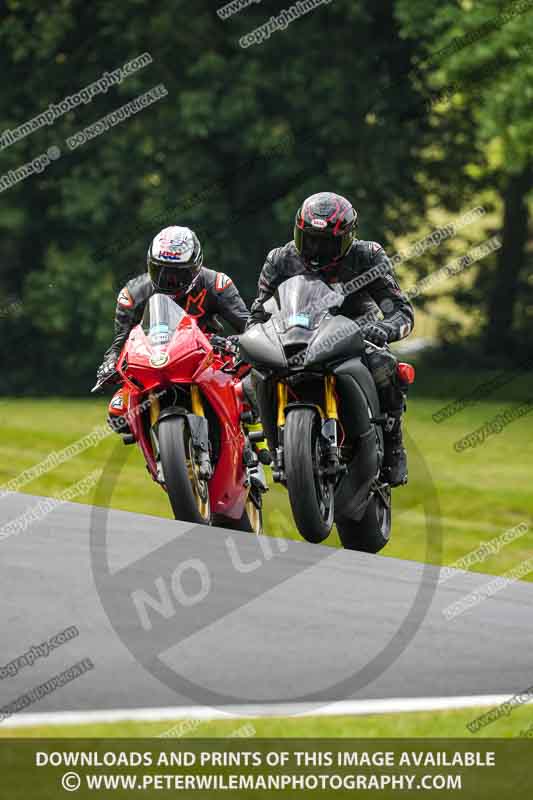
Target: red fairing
(189, 359)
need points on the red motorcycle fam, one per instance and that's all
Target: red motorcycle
(186, 407)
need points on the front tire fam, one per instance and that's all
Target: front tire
(188, 493)
(372, 532)
(310, 498)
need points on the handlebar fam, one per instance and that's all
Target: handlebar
(217, 342)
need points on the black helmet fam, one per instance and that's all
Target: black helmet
(174, 260)
(324, 229)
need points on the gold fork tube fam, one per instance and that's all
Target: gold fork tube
(282, 402)
(196, 401)
(331, 399)
(155, 408)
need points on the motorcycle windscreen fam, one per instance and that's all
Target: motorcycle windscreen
(301, 301)
(338, 338)
(162, 316)
(260, 347)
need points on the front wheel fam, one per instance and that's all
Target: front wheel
(251, 520)
(188, 493)
(311, 497)
(372, 532)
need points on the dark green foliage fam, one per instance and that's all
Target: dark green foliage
(243, 135)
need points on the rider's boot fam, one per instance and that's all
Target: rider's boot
(259, 446)
(392, 396)
(254, 457)
(395, 459)
(252, 423)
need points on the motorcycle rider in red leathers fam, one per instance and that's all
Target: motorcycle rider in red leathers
(175, 268)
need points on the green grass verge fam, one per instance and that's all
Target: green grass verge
(445, 724)
(481, 491)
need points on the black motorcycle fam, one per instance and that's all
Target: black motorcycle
(327, 428)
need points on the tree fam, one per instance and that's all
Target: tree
(478, 62)
(243, 135)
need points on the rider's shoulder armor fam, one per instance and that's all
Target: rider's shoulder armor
(287, 259)
(215, 282)
(207, 278)
(364, 255)
(136, 292)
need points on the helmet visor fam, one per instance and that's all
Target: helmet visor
(319, 251)
(171, 279)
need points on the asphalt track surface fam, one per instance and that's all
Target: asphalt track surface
(270, 622)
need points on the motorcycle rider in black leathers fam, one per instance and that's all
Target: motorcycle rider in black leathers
(325, 245)
(175, 267)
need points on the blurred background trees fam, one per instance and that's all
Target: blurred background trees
(354, 97)
(476, 61)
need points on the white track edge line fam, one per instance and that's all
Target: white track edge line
(343, 708)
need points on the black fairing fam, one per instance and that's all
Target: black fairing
(358, 394)
(296, 336)
(355, 379)
(261, 347)
(351, 495)
(338, 337)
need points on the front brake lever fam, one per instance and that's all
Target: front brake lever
(100, 383)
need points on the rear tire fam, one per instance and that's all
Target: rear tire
(188, 494)
(372, 532)
(311, 502)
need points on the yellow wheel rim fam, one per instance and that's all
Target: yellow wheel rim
(254, 516)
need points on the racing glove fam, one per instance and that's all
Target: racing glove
(107, 368)
(258, 315)
(376, 332)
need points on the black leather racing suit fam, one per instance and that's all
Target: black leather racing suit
(368, 283)
(213, 293)
(370, 287)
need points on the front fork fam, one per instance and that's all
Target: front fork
(278, 470)
(329, 431)
(198, 428)
(200, 434)
(154, 411)
(330, 426)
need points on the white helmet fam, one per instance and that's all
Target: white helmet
(174, 260)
